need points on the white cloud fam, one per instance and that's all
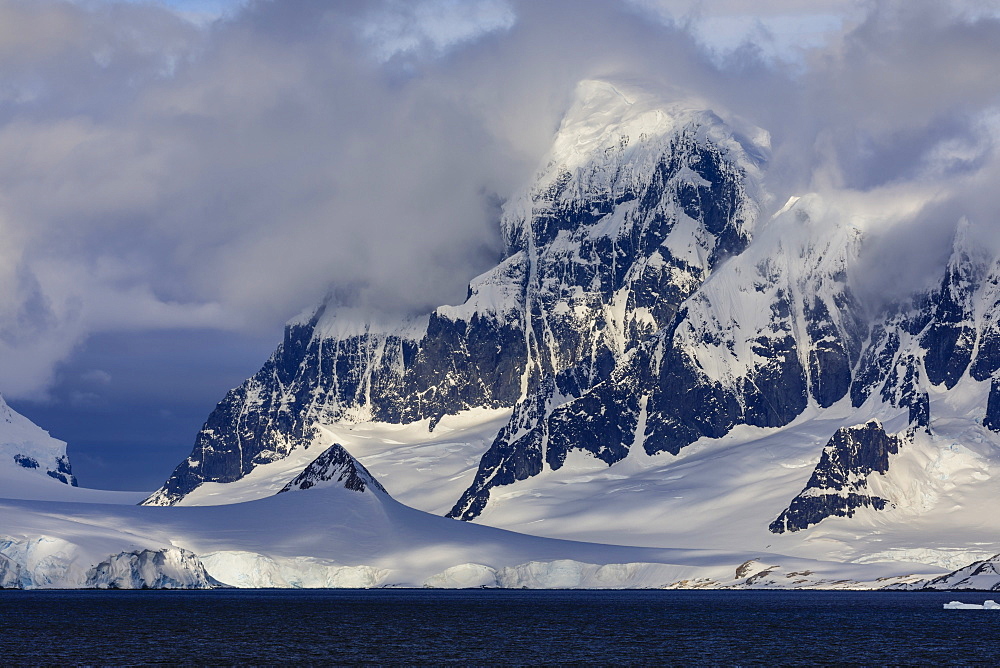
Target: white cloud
(402, 27)
(156, 174)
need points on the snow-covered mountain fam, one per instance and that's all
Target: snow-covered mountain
(635, 207)
(28, 452)
(658, 361)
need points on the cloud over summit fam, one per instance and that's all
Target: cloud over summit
(161, 173)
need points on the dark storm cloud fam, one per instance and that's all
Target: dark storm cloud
(159, 174)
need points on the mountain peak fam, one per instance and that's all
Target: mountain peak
(26, 447)
(605, 114)
(334, 467)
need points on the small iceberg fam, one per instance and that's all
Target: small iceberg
(957, 605)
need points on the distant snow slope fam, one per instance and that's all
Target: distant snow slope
(33, 465)
(26, 448)
(336, 537)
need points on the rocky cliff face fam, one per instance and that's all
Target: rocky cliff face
(838, 485)
(774, 328)
(635, 207)
(936, 337)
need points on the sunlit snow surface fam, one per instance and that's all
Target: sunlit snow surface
(426, 470)
(330, 537)
(702, 516)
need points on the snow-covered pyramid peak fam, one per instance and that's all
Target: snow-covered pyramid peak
(26, 448)
(335, 467)
(969, 260)
(602, 113)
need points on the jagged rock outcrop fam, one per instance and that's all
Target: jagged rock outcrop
(936, 337)
(775, 327)
(839, 483)
(337, 467)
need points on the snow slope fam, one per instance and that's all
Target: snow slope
(27, 453)
(333, 536)
(335, 526)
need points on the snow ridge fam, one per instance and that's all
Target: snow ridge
(26, 448)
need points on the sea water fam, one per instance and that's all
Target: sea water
(393, 626)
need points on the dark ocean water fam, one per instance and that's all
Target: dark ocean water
(495, 627)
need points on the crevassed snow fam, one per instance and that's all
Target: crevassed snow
(167, 568)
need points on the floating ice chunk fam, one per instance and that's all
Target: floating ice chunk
(958, 605)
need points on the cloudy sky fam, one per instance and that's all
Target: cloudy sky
(180, 177)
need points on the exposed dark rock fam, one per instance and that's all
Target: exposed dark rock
(516, 453)
(831, 358)
(838, 483)
(987, 359)
(63, 471)
(992, 419)
(337, 465)
(685, 405)
(26, 461)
